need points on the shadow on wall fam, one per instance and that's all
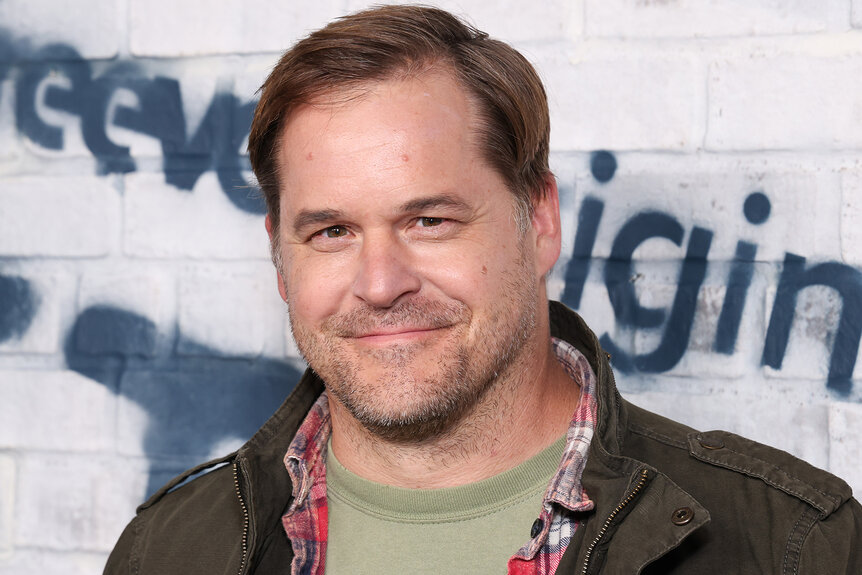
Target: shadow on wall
(194, 405)
(55, 77)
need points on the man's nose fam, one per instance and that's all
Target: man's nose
(385, 272)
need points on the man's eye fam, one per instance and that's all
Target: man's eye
(334, 232)
(430, 222)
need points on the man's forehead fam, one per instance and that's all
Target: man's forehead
(421, 83)
(421, 123)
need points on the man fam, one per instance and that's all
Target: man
(452, 419)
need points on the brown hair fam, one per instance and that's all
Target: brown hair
(388, 41)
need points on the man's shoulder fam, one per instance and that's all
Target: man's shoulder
(730, 466)
(197, 515)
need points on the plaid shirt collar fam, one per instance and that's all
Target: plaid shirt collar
(306, 520)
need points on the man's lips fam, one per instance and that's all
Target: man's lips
(396, 333)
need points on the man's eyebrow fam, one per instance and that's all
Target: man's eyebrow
(438, 201)
(313, 217)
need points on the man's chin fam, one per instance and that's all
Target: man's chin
(416, 427)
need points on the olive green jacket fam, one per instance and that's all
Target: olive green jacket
(668, 500)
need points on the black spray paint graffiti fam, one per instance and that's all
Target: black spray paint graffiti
(215, 144)
(628, 312)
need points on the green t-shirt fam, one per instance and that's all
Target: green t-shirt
(377, 529)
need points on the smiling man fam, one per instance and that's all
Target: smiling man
(452, 419)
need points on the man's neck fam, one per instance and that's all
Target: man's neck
(522, 412)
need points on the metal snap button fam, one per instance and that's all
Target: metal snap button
(710, 442)
(536, 528)
(682, 516)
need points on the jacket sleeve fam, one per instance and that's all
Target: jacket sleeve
(120, 560)
(834, 544)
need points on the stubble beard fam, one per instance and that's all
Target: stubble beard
(403, 404)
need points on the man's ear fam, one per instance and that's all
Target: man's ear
(274, 246)
(268, 223)
(546, 226)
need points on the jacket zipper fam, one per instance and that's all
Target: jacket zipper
(245, 520)
(632, 494)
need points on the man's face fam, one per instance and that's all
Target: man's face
(409, 285)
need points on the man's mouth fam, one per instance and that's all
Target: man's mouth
(396, 334)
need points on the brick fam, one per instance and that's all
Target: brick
(801, 200)
(598, 100)
(138, 305)
(32, 306)
(699, 359)
(763, 419)
(787, 101)
(851, 219)
(198, 413)
(163, 221)
(86, 501)
(46, 562)
(856, 13)
(55, 410)
(512, 21)
(619, 18)
(144, 289)
(274, 27)
(192, 27)
(92, 30)
(69, 216)
(845, 443)
(238, 314)
(7, 500)
(103, 330)
(10, 148)
(54, 128)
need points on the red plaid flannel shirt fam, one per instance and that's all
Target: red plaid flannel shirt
(306, 521)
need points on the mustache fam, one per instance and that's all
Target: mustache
(418, 313)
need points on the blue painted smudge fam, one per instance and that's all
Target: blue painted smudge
(18, 305)
(757, 208)
(193, 405)
(603, 166)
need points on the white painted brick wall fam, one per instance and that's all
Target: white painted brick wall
(155, 309)
(56, 411)
(845, 428)
(751, 107)
(599, 101)
(55, 217)
(52, 294)
(65, 505)
(711, 193)
(515, 20)
(7, 502)
(161, 222)
(851, 218)
(10, 147)
(49, 562)
(95, 33)
(856, 13)
(196, 27)
(248, 302)
(690, 18)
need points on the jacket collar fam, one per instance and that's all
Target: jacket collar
(619, 484)
(609, 477)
